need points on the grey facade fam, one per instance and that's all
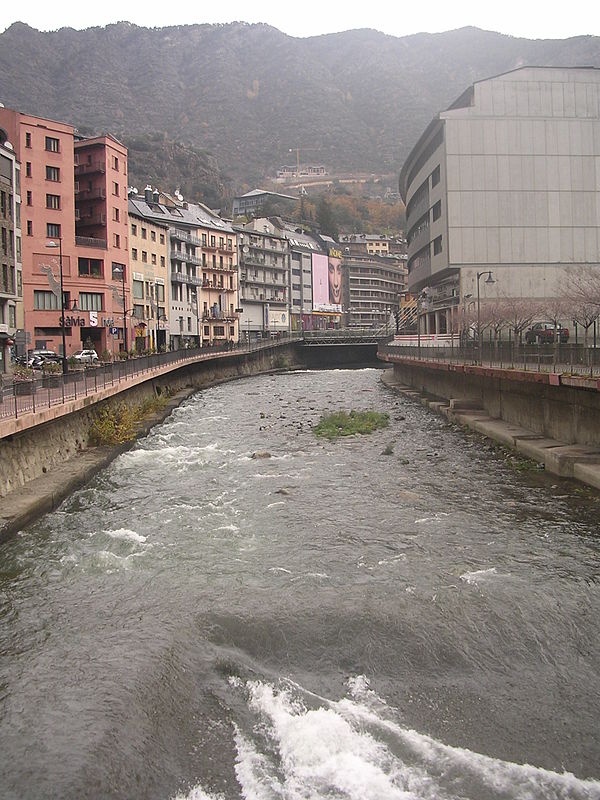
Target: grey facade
(507, 179)
(373, 287)
(264, 270)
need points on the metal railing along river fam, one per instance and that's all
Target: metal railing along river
(19, 397)
(563, 358)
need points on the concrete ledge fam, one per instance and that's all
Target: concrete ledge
(587, 473)
(562, 460)
(568, 461)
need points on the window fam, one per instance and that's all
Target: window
(204, 240)
(29, 228)
(435, 176)
(52, 145)
(115, 163)
(162, 238)
(230, 244)
(206, 330)
(437, 210)
(90, 267)
(138, 289)
(162, 261)
(52, 230)
(160, 292)
(144, 256)
(212, 241)
(144, 233)
(116, 214)
(116, 240)
(134, 253)
(219, 330)
(138, 311)
(28, 169)
(29, 198)
(115, 189)
(133, 229)
(154, 258)
(221, 242)
(52, 173)
(231, 330)
(53, 201)
(90, 301)
(437, 246)
(44, 301)
(27, 140)
(153, 235)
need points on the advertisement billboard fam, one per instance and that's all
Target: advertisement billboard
(327, 283)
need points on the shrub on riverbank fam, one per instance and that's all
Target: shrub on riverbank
(118, 424)
(342, 423)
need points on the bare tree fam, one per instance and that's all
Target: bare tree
(518, 313)
(580, 287)
(557, 309)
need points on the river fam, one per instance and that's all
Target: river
(238, 609)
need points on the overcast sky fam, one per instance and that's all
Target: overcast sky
(528, 18)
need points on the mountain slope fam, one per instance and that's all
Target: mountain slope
(355, 101)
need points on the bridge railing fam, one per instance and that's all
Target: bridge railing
(564, 358)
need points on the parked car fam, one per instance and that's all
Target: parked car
(45, 355)
(543, 333)
(86, 356)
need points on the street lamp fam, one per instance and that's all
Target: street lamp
(62, 304)
(121, 271)
(489, 280)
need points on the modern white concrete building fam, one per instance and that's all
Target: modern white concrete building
(507, 179)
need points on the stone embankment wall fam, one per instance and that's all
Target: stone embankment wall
(569, 414)
(43, 449)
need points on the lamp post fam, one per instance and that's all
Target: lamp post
(62, 304)
(121, 271)
(489, 280)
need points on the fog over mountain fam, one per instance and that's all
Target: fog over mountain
(238, 97)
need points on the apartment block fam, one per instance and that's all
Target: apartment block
(74, 235)
(373, 290)
(203, 285)
(264, 280)
(150, 273)
(505, 180)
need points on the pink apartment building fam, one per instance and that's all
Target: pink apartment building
(74, 195)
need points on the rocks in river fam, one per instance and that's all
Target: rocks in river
(282, 491)
(264, 454)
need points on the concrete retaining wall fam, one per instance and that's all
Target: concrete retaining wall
(565, 413)
(37, 451)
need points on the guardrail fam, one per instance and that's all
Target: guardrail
(30, 396)
(564, 358)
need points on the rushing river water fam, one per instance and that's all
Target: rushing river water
(326, 622)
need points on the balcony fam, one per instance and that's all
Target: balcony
(92, 221)
(181, 255)
(7, 287)
(89, 169)
(86, 241)
(222, 316)
(183, 236)
(91, 194)
(217, 286)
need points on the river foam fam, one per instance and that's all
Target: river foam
(305, 747)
